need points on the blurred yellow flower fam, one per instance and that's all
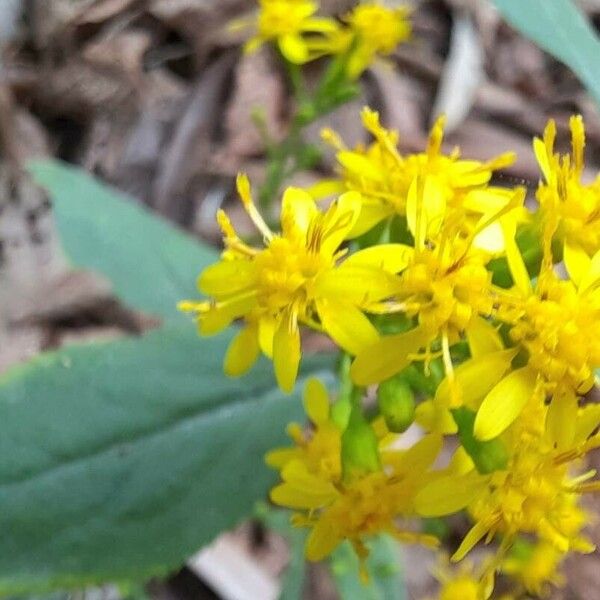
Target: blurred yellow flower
(294, 279)
(464, 582)
(535, 567)
(377, 30)
(286, 23)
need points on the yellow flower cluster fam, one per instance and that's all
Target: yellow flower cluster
(417, 271)
(368, 31)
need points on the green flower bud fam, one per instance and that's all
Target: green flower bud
(360, 452)
(488, 456)
(396, 404)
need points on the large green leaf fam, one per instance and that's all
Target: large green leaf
(151, 264)
(121, 459)
(561, 29)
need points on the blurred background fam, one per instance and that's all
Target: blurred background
(156, 98)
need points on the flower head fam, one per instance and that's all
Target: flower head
(443, 283)
(384, 177)
(562, 191)
(464, 582)
(378, 30)
(286, 22)
(341, 504)
(535, 567)
(538, 490)
(297, 277)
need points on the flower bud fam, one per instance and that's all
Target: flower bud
(488, 456)
(396, 404)
(359, 446)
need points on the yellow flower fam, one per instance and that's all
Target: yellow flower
(556, 324)
(350, 506)
(537, 493)
(534, 566)
(286, 22)
(294, 279)
(378, 30)
(464, 582)
(444, 282)
(319, 451)
(384, 177)
(562, 191)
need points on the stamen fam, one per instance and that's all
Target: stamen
(243, 188)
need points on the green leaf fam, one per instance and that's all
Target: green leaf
(151, 264)
(560, 28)
(383, 565)
(119, 460)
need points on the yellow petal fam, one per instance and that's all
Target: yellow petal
(338, 221)
(294, 48)
(320, 24)
(561, 420)
(483, 337)
(389, 257)
(242, 351)
(577, 141)
(279, 457)
(227, 277)
(266, 332)
(592, 276)
(588, 419)
(326, 188)
(448, 494)
(298, 210)
(473, 379)
(322, 541)
(475, 534)
(417, 459)
(541, 154)
(371, 212)
(490, 239)
(425, 207)
(296, 474)
(355, 284)
(286, 355)
(488, 200)
(460, 463)
(347, 325)
(435, 418)
(361, 165)
(515, 260)
(387, 356)
(576, 260)
(316, 401)
(220, 316)
(290, 496)
(504, 403)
